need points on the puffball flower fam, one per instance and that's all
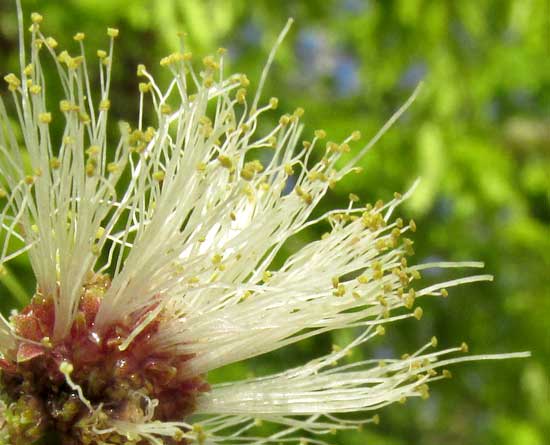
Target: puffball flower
(153, 261)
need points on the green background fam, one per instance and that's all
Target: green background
(478, 136)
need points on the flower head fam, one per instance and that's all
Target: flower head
(153, 259)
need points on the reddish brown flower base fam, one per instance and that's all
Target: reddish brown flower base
(39, 400)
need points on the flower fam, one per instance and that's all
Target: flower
(153, 260)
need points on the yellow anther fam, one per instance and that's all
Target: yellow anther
(90, 167)
(165, 109)
(446, 373)
(266, 276)
(45, 118)
(382, 300)
(101, 54)
(99, 233)
(408, 244)
(399, 223)
(378, 274)
(288, 169)
(176, 57)
(433, 342)
(79, 36)
(46, 342)
(314, 176)
(225, 161)
(284, 120)
(424, 391)
(381, 245)
(35, 89)
(335, 282)
(149, 134)
(243, 80)
(144, 87)
(178, 436)
(464, 347)
(273, 103)
(93, 150)
(380, 330)
(112, 32)
(363, 279)
(304, 195)
(210, 63)
(320, 134)
(418, 312)
(28, 70)
(112, 167)
(205, 120)
(332, 147)
(222, 51)
(241, 95)
(36, 18)
(63, 57)
(51, 42)
(66, 368)
(356, 135)
(298, 112)
(397, 195)
(340, 291)
(409, 301)
(65, 106)
(104, 105)
(84, 117)
(444, 293)
(344, 148)
(412, 225)
(74, 62)
(13, 81)
(141, 70)
(250, 168)
(159, 176)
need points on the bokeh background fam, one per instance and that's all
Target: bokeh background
(478, 136)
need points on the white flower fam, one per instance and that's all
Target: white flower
(186, 216)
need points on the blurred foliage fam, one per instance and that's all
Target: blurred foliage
(478, 136)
